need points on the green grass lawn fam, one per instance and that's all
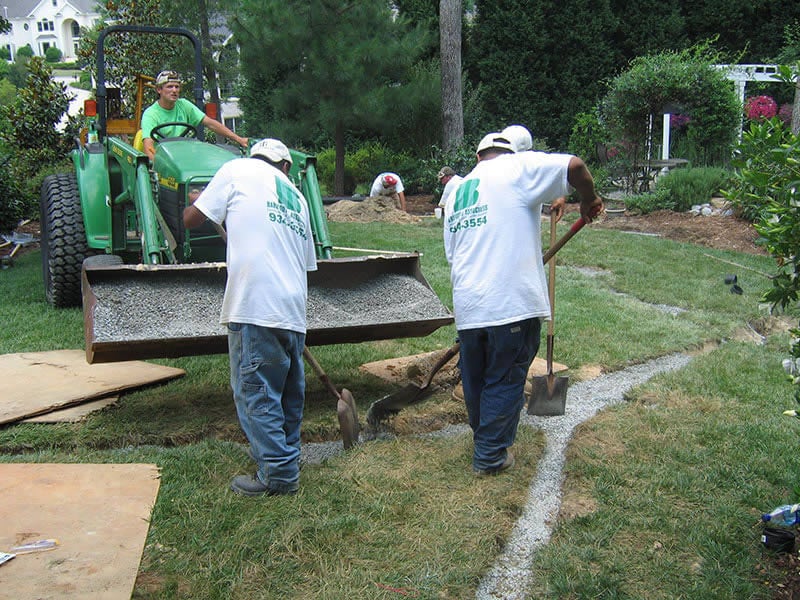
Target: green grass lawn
(671, 482)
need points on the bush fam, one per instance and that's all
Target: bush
(362, 166)
(687, 187)
(25, 52)
(10, 206)
(52, 54)
(649, 202)
(5, 53)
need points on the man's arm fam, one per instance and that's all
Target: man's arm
(193, 217)
(149, 148)
(402, 200)
(581, 179)
(220, 129)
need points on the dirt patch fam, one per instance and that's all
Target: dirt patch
(722, 232)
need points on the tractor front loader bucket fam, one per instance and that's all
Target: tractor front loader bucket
(134, 312)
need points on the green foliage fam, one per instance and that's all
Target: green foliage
(682, 82)
(362, 166)
(337, 67)
(17, 73)
(767, 190)
(690, 186)
(32, 138)
(649, 202)
(10, 209)
(8, 92)
(25, 52)
(52, 54)
(5, 53)
(536, 67)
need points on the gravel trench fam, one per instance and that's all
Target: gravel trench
(508, 579)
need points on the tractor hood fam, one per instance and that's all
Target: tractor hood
(188, 159)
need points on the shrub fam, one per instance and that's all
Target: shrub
(25, 52)
(10, 209)
(5, 53)
(362, 166)
(52, 54)
(649, 202)
(690, 186)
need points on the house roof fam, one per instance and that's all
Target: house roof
(19, 9)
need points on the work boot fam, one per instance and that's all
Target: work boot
(507, 464)
(251, 485)
(248, 485)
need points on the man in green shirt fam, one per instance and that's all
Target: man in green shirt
(171, 108)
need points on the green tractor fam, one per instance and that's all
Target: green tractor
(118, 217)
(117, 205)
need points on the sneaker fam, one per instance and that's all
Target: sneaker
(507, 464)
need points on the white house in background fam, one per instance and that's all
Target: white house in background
(46, 23)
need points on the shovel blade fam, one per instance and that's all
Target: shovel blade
(348, 419)
(548, 396)
(396, 401)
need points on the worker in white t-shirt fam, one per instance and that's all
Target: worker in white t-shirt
(270, 247)
(389, 184)
(492, 240)
(522, 141)
(450, 180)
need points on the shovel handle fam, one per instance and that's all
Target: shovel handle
(576, 227)
(445, 358)
(323, 377)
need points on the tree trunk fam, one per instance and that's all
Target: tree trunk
(450, 52)
(338, 173)
(209, 66)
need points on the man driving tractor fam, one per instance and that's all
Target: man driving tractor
(171, 108)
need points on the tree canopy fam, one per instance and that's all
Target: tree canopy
(332, 67)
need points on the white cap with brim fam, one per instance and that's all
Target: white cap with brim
(519, 136)
(271, 149)
(494, 140)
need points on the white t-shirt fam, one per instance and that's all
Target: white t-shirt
(378, 189)
(270, 244)
(492, 238)
(449, 188)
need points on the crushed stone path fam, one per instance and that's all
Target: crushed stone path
(511, 574)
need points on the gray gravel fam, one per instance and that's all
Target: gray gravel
(511, 574)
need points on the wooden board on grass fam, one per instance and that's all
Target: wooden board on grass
(99, 514)
(35, 383)
(73, 414)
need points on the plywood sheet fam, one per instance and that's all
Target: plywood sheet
(99, 514)
(73, 414)
(34, 383)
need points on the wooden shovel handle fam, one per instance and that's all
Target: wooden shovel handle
(576, 227)
(323, 377)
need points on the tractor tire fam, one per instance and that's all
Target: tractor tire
(63, 240)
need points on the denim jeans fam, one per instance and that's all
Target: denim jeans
(494, 363)
(268, 383)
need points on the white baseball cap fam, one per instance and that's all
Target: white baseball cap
(167, 76)
(519, 136)
(494, 140)
(271, 149)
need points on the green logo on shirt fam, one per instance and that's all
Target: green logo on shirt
(466, 195)
(287, 195)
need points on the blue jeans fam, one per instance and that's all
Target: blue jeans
(268, 383)
(494, 363)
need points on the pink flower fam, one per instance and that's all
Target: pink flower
(760, 107)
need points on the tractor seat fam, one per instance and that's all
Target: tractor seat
(138, 144)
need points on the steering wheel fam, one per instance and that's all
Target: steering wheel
(189, 131)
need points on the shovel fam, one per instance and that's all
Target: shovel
(410, 394)
(345, 404)
(549, 393)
